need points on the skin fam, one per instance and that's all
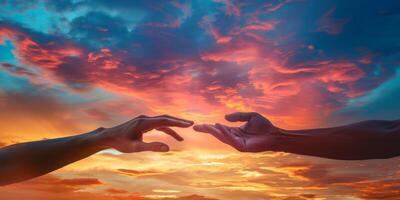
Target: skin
(375, 139)
(24, 161)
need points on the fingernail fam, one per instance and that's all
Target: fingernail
(187, 123)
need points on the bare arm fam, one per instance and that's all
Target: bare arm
(375, 139)
(24, 161)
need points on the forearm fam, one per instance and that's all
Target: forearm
(28, 160)
(364, 140)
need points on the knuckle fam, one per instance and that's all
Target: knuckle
(164, 120)
(165, 116)
(139, 121)
(141, 116)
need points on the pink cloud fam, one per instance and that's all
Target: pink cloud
(260, 26)
(103, 59)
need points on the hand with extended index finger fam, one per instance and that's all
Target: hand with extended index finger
(257, 134)
(128, 137)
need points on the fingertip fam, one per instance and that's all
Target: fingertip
(164, 148)
(187, 123)
(184, 120)
(228, 117)
(154, 146)
(180, 139)
(198, 127)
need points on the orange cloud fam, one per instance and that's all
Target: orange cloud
(130, 172)
(80, 181)
(52, 187)
(54, 184)
(30, 52)
(2, 144)
(379, 189)
(116, 191)
(103, 59)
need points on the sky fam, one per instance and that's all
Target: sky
(71, 66)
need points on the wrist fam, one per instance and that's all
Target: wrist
(280, 140)
(99, 138)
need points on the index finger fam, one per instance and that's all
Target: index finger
(235, 140)
(211, 129)
(173, 117)
(158, 122)
(170, 132)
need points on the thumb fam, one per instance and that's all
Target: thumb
(240, 116)
(153, 146)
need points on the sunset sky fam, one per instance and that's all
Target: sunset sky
(71, 66)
